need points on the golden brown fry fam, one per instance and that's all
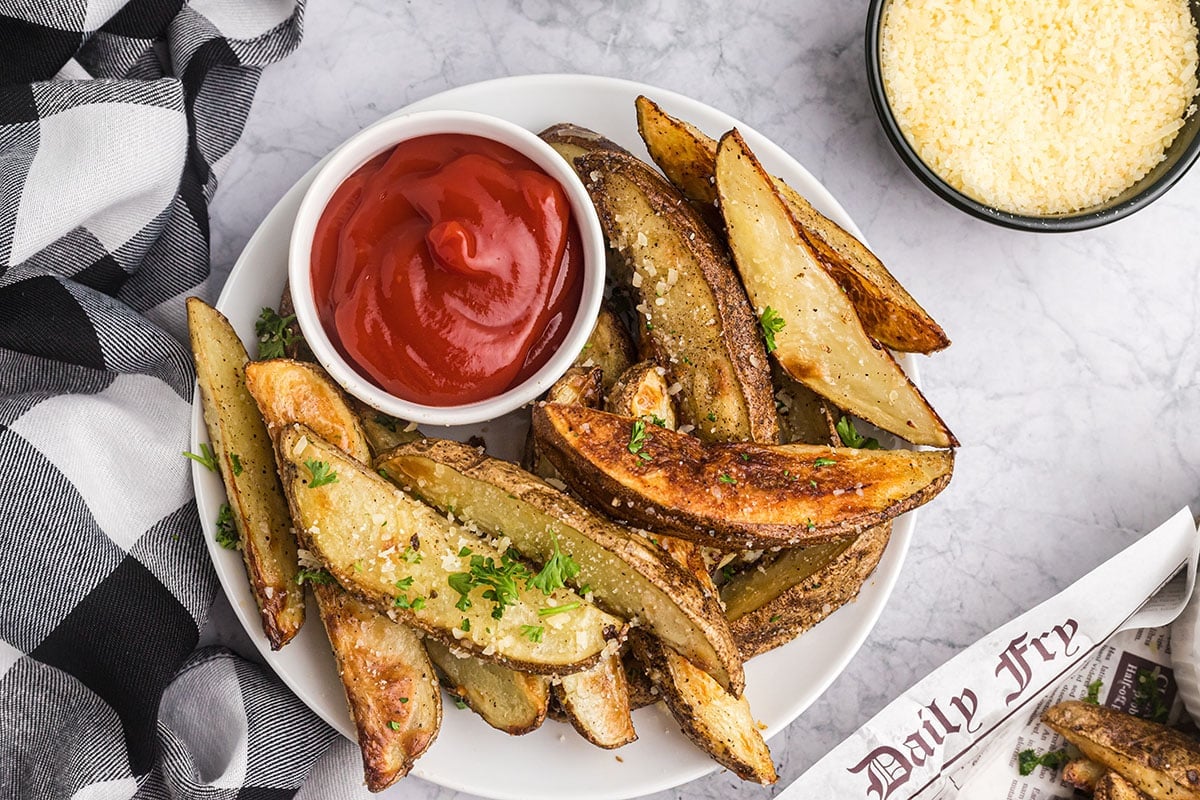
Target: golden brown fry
(1083, 773)
(733, 496)
(610, 347)
(1157, 760)
(247, 465)
(642, 393)
(513, 702)
(1113, 787)
(596, 702)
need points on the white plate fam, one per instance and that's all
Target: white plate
(552, 762)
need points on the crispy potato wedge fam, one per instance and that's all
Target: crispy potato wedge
(514, 702)
(383, 432)
(1113, 787)
(390, 686)
(260, 512)
(697, 321)
(1083, 774)
(397, 555)
(642, 393)
(804, 416)
(768, 606)
(733, 496)
(718, 722)
(572, 141)
(388, 677)
(596, 702)
(818, 336)
(888, 312)
(610, 347)
(581, 385)
(1157, 760)
(292, 391)
(626, 575)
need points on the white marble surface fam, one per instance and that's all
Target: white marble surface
(1072, 381)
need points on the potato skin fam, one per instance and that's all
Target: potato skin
(596, 703)
(733, 496)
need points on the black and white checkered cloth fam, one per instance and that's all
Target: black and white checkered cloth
(115, 120)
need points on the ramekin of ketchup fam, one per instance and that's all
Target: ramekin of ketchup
(446, 266)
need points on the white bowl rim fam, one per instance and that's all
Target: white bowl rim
(381, 136)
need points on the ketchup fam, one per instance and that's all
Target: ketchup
(447, 269)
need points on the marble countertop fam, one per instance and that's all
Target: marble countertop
(1072, 382)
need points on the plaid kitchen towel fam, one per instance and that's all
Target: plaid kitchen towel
(115, 120)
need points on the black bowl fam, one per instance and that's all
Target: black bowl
(1179, 158)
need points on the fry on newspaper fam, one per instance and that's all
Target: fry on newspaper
(958, 732)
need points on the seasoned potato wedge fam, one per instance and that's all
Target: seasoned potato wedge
(390, 686)
(626, 575)
(888, 312)
(768, 606)
(247, 464)
(572, 141)
(804, 416)
(514, 702)
(1083, 773)
(580, 385)
(399, 556)
(733, 496)
(818, 336)
(596, 702)
(718, 722)
(292, 391)
(642, 392)
(698, 324)
(1157, 760)
(610, 347)
(1113, 787)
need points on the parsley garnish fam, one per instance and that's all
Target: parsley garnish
(236, 460)
(726, 479)
(637, 440)
(824, 462)
(274, 335)
(206, 458)
(1029, 760)
(403, 699)
(410, 555)
(404, 584)
(500, 580)
(1093, 692)
(1148, 697)
(465, 626)
(321, 473)
(774, 618)
(459, 703)
(712, 416)
(313, 576)
(771, 323)
(392, 723)
(559, 569)
(227, 535)
(655, 419)
(550, 611)
(534, 632)
(852, 438)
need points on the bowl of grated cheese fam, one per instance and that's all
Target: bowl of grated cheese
(1039, 116)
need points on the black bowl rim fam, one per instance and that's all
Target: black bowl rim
(1054, 224)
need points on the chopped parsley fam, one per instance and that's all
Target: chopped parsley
(1148, 697)
(392, 723)
(459, 703)
(403, 699)
(712, 416)
(274, 334)
(206, 458)
(559, 569)
(852, 438)
(774, 618)
(321, 576)
(824, 462)
(771, 323)
(382, 472)
(411, 556)
(404, 584)
(637, 440)
(236, 460)
(321, 473)
(1093, 692)
(533, 632)
(550, 611)
(465, 625)
(411, 603)
(1029, 760)
(726, 479)
(655, 419)
(227, 535)
(500, 581)
(810, 524)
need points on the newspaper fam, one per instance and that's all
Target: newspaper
(958, 732)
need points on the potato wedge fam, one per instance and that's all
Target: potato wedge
(626, 575)
(610, 347)
(247, 465)
(804, 416)
(818, 336)
(510, 701)
(733, 496)
(718, 722)
(572, 141)
(642, 392)
(388, 677)
(1113, 787)
(888, 312)
(582, 385)
(768, 606)
(1083, 774)
(399, 556)
(596, 702)
(1157, 760)
(699, 326)
(390, 686)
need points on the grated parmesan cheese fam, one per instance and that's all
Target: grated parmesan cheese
(1040, 108)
